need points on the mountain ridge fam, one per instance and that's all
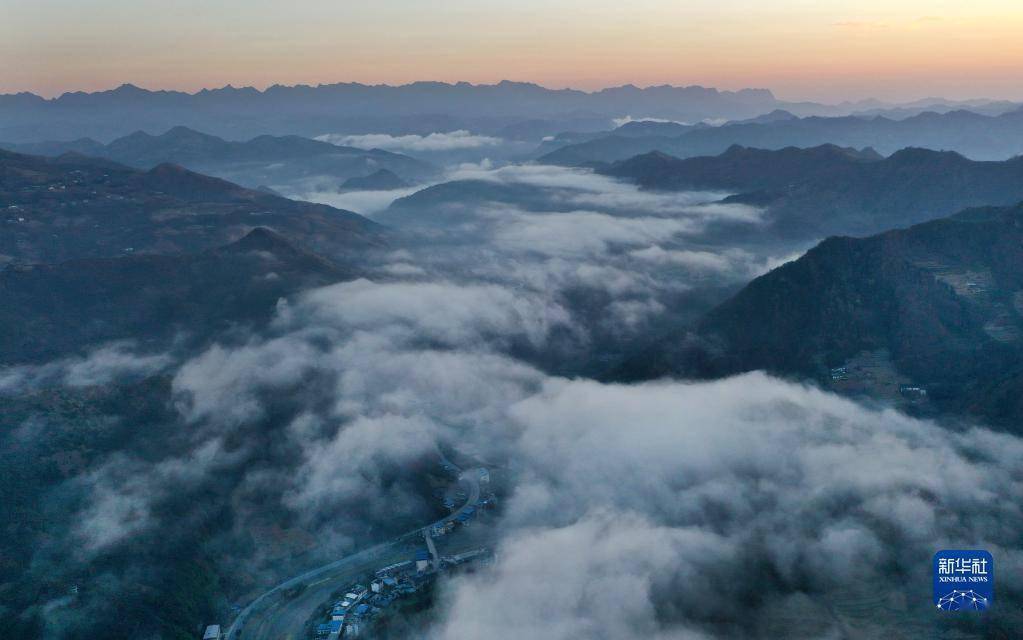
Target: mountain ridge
(78, 207)
(153, 298)
(422, 107)
(976, 135)
(820, 191)
(256, 161)
(930, 317)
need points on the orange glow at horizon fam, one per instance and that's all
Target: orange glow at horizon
(824, 50)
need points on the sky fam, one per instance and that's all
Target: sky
(824, 50)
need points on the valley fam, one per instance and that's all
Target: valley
(391, 358)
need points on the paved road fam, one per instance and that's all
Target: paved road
(275, 616)
(434, 556)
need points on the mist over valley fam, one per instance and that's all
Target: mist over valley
(503, 359)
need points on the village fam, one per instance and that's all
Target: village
(352, 613)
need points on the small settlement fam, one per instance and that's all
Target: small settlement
(351, 614)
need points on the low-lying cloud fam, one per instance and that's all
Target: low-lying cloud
(122, 493)
(580, 233)
(624, 120)
(736, 263)
(664, 510)
(715, 510)
(469, 314)
(102, 365)
(366, 203)
(557, 230)
(574, 187)
(438, 141)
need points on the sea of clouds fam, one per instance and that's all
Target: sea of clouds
(667, 509)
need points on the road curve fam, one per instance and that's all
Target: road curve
(354, 563)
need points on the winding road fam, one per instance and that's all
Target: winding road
(276, 616)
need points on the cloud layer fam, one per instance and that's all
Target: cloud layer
(563, 232)
(101, 365)
(674, 510)
(438, 141)
(665, 510)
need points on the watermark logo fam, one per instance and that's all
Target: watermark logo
(964, 580)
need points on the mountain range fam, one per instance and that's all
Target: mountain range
(931, 316)
(419, 107)
(978, 136)
(451, 203)
(71, 207)
(513, 110)
(828, 190)
(261, 160)
(51, 310)
(380, 180)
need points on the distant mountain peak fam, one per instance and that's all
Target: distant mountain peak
(777, 115)
(170, 169)
(263, 239)
(181, 130)
(379, 180)
(174, 178)
(267, 241)
(659, 155)
(782, 114)
(137, 135)
(914, 155)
